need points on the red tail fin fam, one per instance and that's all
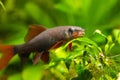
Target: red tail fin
(7, 53)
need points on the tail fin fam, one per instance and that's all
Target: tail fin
(7, 53)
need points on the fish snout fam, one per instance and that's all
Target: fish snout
(78, 33)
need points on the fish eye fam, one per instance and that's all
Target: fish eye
(70, 30)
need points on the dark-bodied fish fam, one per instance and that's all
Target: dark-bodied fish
(39, 40)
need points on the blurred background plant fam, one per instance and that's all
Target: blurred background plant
(96, 56)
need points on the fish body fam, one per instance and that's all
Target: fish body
(40, 43)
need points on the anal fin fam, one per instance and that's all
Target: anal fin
(44, 56)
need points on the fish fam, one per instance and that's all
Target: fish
(39, 41)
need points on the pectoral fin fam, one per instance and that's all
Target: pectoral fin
(58, 44)
(33, 31)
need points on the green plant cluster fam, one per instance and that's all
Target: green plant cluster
(87, 60)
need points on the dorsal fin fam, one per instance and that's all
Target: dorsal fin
(33, 31)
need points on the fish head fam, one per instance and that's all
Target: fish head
(74, 32)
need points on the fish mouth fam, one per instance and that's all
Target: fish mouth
(77, 34)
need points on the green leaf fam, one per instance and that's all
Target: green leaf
(109, 45)
(61, 67)
(116, 33)
(58, 74)
(2, 6)
(72, 70)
